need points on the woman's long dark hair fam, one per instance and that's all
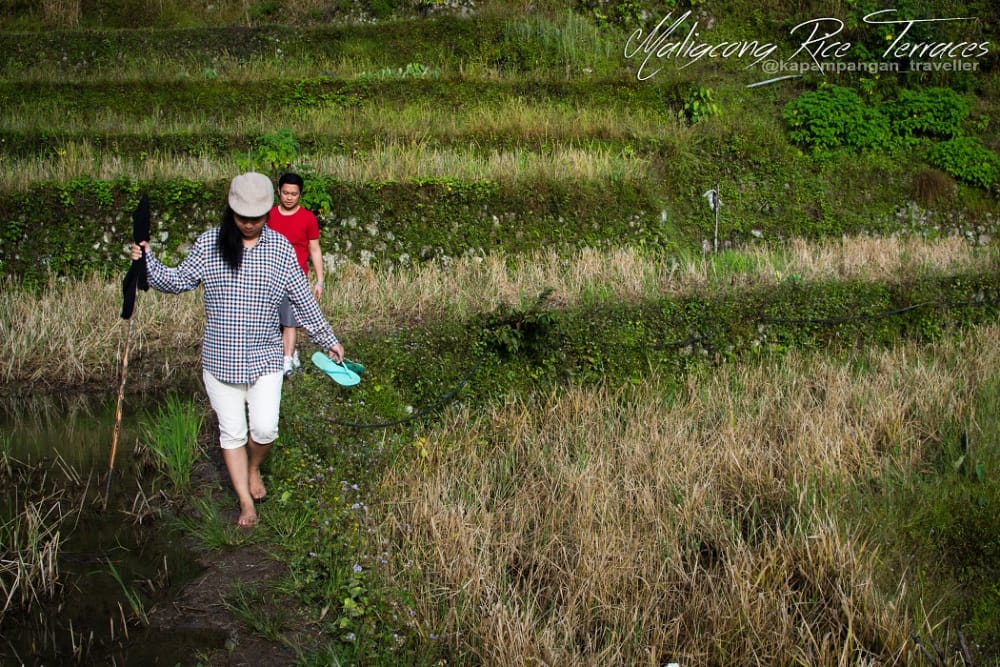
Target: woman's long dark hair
(230, 241)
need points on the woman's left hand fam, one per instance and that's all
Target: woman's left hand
(337, 353)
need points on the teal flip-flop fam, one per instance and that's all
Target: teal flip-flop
(340, 373)
(354, 366)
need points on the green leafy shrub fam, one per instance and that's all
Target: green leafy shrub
(274, 152)
(278, 153)
(835, 117)
(967, 160)
(935, 112)
(315, 195)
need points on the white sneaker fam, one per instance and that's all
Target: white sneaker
(296, 364)
(289, 368)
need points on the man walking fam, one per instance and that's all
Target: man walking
(300, 227)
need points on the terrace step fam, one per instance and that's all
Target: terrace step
(198, 99)
(441, 40)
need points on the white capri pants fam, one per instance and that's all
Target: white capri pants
(232, 403)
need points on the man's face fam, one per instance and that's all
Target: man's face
(249, 227)
(289, 196)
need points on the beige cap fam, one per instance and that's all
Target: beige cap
(251, 195)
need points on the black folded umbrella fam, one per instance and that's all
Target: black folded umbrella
(136, 276)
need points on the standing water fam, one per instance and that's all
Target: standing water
(113, 563)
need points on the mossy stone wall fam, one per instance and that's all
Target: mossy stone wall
(76, 228)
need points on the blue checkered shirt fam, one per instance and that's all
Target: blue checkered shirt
(242, 333)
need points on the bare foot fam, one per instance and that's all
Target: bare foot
(248, 517)
(257, 488)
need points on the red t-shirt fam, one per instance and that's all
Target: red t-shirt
(299, 228)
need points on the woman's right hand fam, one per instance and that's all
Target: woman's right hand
(137, 250)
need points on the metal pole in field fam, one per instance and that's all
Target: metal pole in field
(715, 205)
(715, 202)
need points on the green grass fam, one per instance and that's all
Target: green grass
(135, 603)
(172, 436)
(941, 522)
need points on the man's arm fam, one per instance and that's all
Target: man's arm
(316, 259)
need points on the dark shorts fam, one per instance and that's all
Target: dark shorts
(285, 315)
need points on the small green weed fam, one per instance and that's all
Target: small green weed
(135, 603)
(411, 71)
(257, 610)
(207, 526)
(277, 153)
(291, 522)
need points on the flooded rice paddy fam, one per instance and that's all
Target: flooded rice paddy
(117, 556)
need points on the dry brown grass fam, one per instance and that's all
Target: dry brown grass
(931, 186)
(881, 258)
(625, 527)
(371, 298)
(384, 162)
(70, 332)
(61, 13)
(29, 563)
(31, 531)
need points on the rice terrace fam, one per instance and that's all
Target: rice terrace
(677, 323)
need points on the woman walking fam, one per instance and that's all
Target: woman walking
(246, 271)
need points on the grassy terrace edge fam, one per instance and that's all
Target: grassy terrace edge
(710, 324)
